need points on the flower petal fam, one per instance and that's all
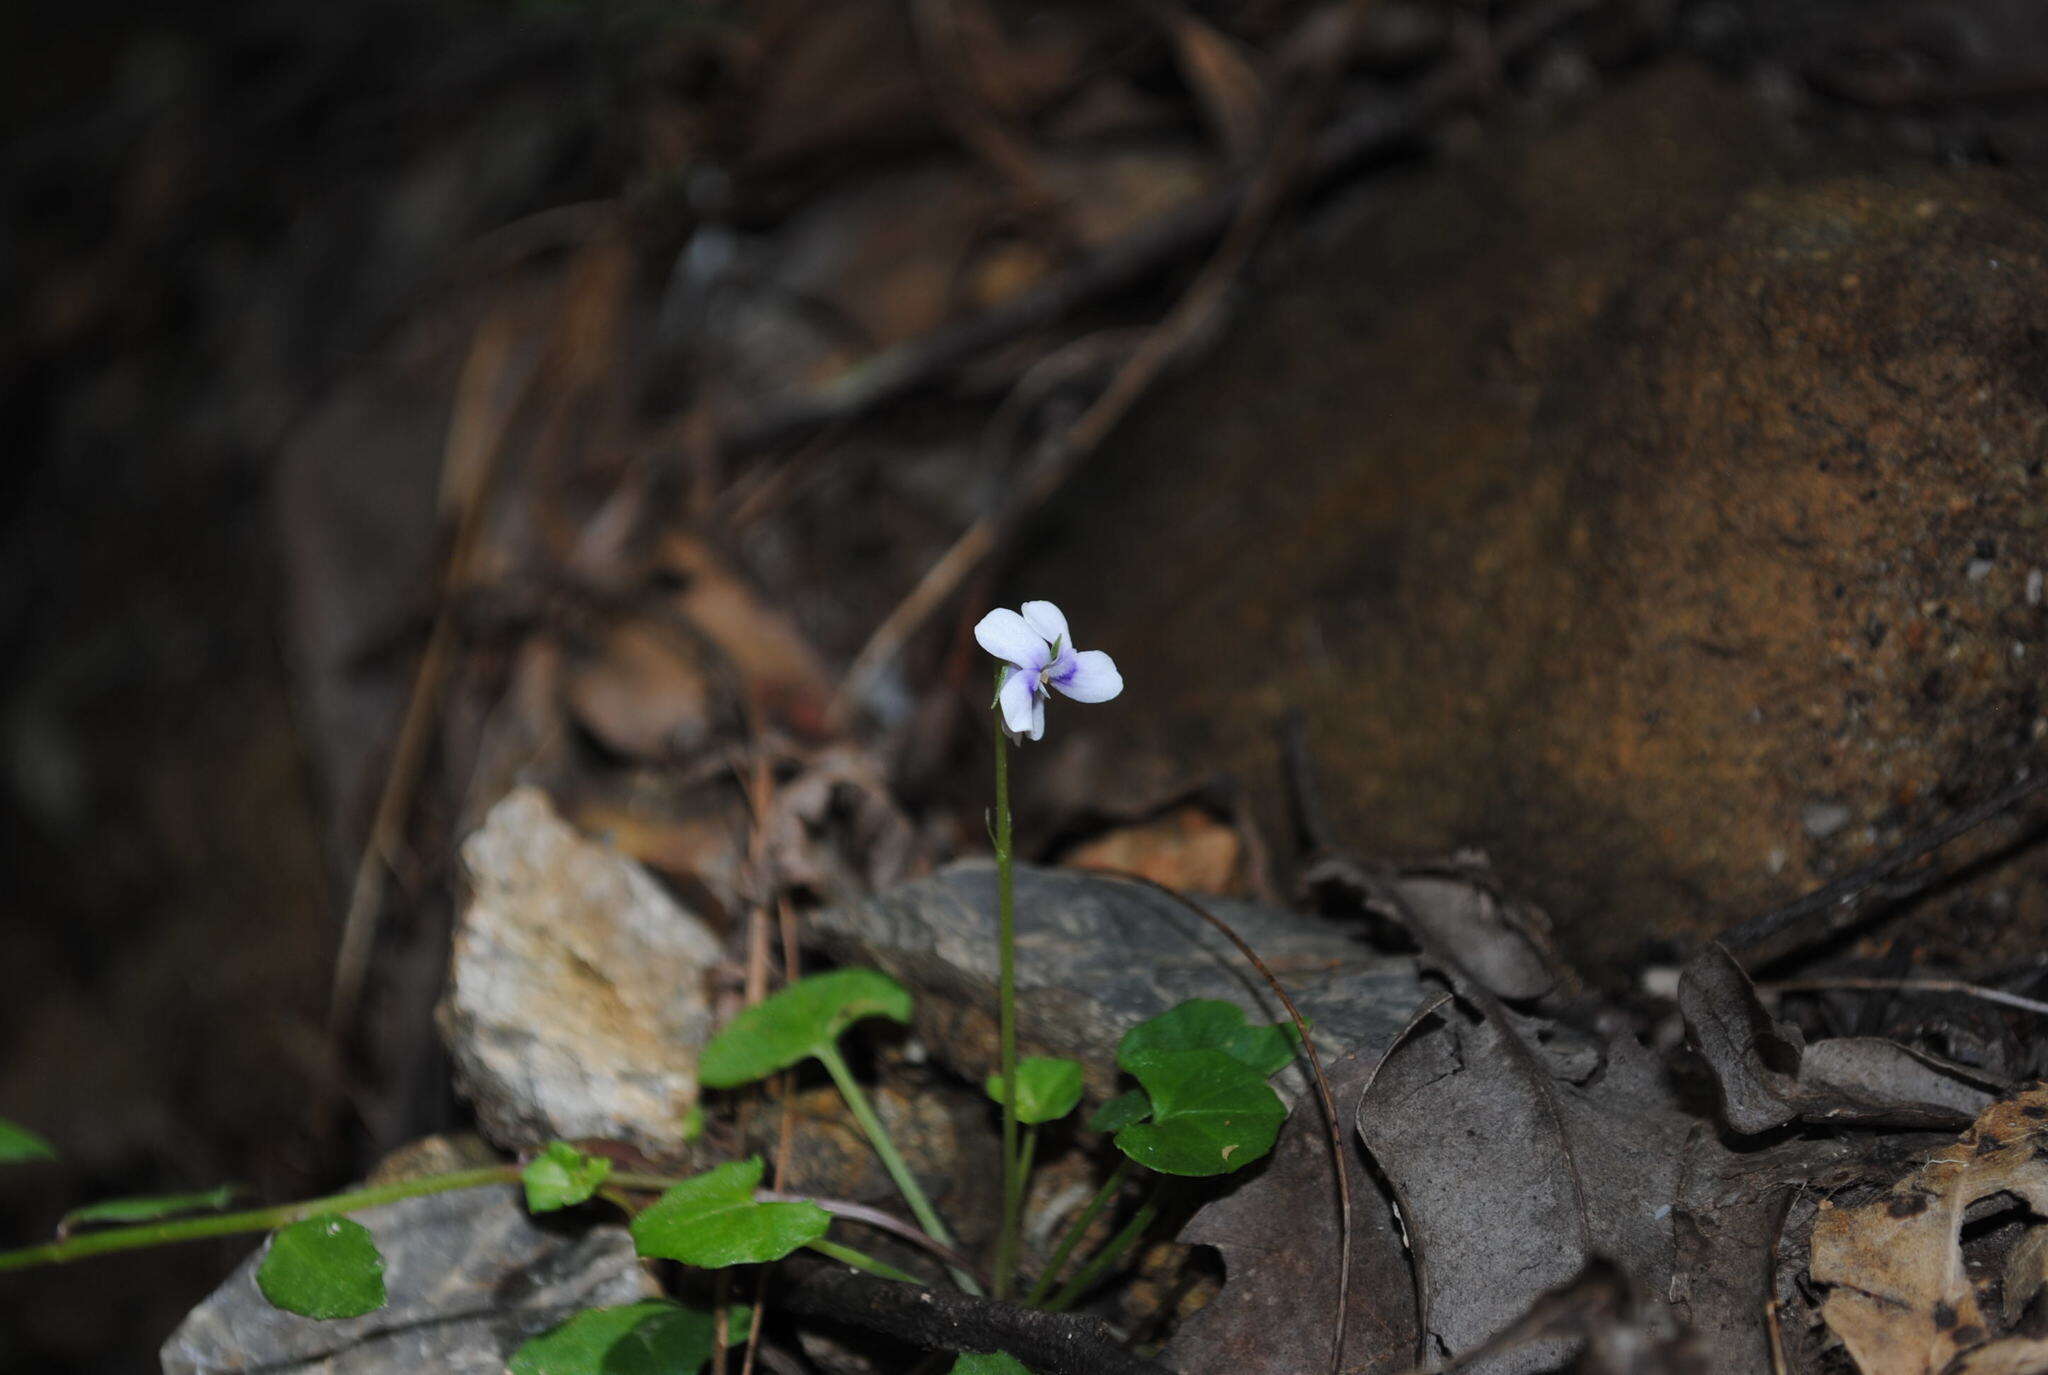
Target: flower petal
(1092, 677)
(1017, 701)
(1038, 717)
(1004, 634)
(1051, 625)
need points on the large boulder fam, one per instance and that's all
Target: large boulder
(1665, 521)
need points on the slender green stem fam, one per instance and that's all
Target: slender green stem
(861, 1260)
(1006, 1008)
(1080, 1226)
(1026, 1151)
(892, 1161)
(250, 1220)
(1108, 1255)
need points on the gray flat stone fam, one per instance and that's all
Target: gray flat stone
(470, 1277)
(1096, 955)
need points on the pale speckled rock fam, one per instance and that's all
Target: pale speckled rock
(1095, 955)
(470, 1277)
(576, 1000)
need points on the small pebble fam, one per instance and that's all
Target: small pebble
(1978, 569)
(1823, 819)
(2035, 579)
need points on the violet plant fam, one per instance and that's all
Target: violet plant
(1038, 655)
(1202, 1107)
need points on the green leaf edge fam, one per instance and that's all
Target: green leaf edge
(1221, 1064)
(147, 1207)
(275, 1273)
(723, 1189)
(735, 1056)
(539, 1354)
(19, 1144)
(562, 1177)
(1278, 1056)
(988, 1363)
(1041, 1097)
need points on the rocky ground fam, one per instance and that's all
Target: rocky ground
(1616, 451)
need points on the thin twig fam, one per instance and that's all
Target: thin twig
(1312, 833)
(875, 1217)
(949, 71)
(1955, 986)
(1241, 216)
(1376, 126)
(1776, 1332)
(1831, 901)
(938, 1320)
(759, 784)
(470, 461)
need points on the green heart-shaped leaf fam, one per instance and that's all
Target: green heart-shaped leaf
(146, 1209)
(1047, 1088)
(323, 1267)
(995, 1363)
(652, 1338)
(561, 1177)
(1211, 1113)
(1210, 1024)
(712, 1220)
(19, 1143)
(797, 1023)
(1121, 1111)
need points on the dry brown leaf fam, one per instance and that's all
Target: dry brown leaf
(1232, 96)
(1277, 1236)
(643, 692)
(836, 830)
(780, 673)
(1187, 849)
(2026, 1273)
(2015, 1356)
(1502, 943)
(1515, 1163)
(702, 848)
(1903, 1303)
(1769, 1076)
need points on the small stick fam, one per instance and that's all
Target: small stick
(949, 71)
(1239, 217)
(470, 462)
(759, 784)
(937, 1320)
(1955, 986)
(1842, 891)
(875, 1217)
(903, 371)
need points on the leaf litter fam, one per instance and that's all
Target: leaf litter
(1904, 1298)
(1559, 1192)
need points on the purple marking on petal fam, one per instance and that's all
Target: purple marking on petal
(1004, 634)
(1049, 622)
(1091, 678)
(1020, 693)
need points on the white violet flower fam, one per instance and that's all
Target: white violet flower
(1041, 655)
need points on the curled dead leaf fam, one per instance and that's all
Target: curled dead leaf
(1186, 848)
(1769, 1076)
(1903, 1302)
